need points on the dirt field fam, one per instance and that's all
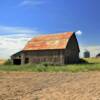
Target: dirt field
(50, 86)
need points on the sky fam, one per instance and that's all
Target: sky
(20, 20)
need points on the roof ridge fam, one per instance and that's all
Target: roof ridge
(50, 34)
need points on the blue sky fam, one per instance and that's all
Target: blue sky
(28, 18)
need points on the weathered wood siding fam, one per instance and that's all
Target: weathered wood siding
(71, 53)
(50, 56)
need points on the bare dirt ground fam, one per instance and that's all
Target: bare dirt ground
(50, 86)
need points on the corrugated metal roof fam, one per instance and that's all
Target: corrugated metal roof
(51, 41)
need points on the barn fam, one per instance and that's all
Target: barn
(59, 48)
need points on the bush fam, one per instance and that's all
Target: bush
(83, 61)
(8, 62)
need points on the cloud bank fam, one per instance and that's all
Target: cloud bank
(13, 39)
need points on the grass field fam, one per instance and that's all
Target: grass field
(92, 65)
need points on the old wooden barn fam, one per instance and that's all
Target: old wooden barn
(61, 48)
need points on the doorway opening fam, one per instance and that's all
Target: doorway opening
(26, 60)
(17, 61)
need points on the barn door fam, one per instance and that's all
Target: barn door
(26, 60)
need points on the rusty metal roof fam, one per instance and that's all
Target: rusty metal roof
(47, 42)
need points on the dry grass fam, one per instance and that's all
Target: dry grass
(2, 61)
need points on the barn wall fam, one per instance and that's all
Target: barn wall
(50, 56)
(71, 57)
(72, 51)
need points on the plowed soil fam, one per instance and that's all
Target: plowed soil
(50, 86)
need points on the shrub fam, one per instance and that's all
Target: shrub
(83, 61)
(8, 62)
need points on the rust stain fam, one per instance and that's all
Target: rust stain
(51, 41)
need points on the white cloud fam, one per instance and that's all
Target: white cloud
(79, 32)
(11, 43)
(10, 29)
(31, 3)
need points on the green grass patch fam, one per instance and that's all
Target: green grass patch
(92, 65)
